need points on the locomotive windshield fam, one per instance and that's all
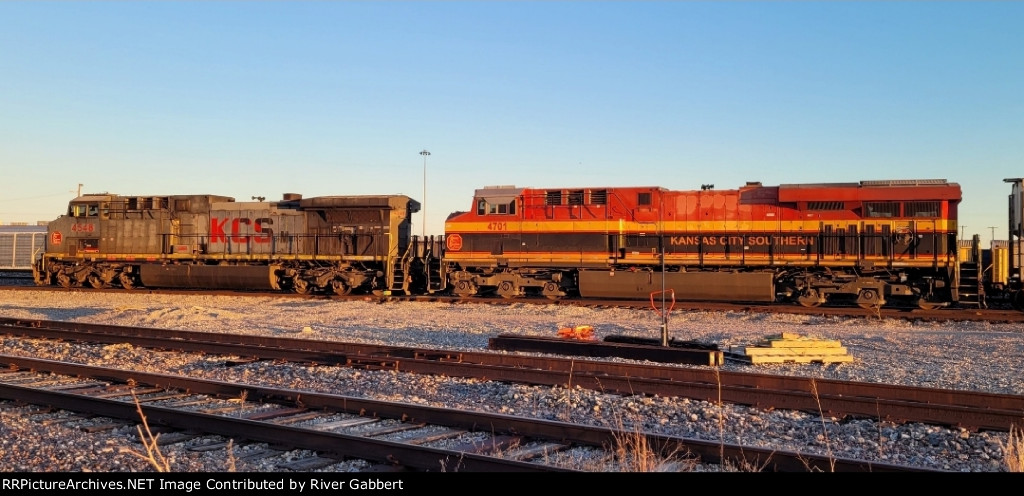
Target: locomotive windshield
(84, 210)
(483, 207)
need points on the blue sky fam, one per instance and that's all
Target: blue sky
(333, 98)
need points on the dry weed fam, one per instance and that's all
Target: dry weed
(1013, 450)
(231, 455)
(721, 423)
(153, 456)
(745, 465)
(633, 452)
(824, 428)
(241, 397)
(729, 464)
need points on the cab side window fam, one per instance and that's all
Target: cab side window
(484, 208)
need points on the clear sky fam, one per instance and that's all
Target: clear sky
(335, 98)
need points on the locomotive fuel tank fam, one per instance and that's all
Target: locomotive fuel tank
(695, 286)
(239, 277)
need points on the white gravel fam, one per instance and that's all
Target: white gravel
(975, 356)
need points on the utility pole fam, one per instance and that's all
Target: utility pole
(423, 206)
(661, 237)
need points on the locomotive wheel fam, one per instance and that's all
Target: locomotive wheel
(339, 287)
(126, 281)
(300, 285)
(507, 290)
(924, 304)
(95, 281)
(64, 280)
(464, 288)
(869, 299)
(550, 291)
(809, 298)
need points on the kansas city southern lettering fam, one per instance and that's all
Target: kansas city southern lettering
(741, 240)
(228, 229)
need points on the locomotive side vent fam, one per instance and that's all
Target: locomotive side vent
(826, 205)
(903, 182)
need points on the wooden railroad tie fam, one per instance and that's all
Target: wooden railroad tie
(793, 348)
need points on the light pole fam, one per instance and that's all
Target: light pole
(661, 238)
(423, 206)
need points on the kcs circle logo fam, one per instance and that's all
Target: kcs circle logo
(453, 242)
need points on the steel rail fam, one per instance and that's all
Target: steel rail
(971, 410)
(389, 452)
(330, 443)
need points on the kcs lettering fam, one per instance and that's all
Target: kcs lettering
(239, 232)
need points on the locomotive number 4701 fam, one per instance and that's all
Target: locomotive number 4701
(497, 226)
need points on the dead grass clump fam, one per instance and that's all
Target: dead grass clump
(634, 452)
(745, 465)
(1013, 450)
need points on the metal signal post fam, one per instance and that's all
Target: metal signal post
(423, 206)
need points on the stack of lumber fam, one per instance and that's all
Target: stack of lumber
(794, 348)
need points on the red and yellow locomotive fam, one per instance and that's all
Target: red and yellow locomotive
(867, 242)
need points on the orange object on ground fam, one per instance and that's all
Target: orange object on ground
(583, 332)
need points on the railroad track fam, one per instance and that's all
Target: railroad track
(956, 408)
(257, 414)
(916, 314)
(294, 419)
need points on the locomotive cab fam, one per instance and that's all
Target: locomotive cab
(84, 229)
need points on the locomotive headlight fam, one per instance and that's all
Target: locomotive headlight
(903, 277)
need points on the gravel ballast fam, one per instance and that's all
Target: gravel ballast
(962, 355)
